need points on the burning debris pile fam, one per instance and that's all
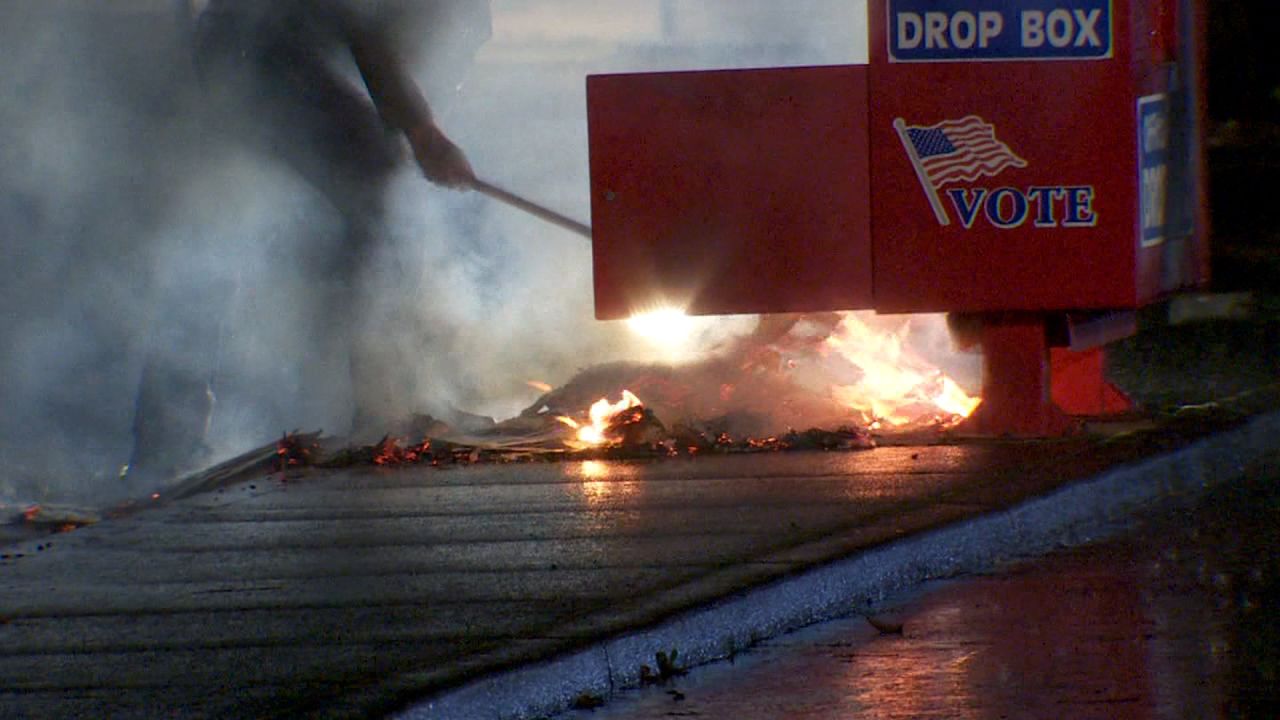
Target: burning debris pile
(852, 384)
(625, 429)
(833, 373)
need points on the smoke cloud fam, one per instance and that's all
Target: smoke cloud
(127, 221)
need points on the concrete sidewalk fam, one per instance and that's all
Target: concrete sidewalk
(515, 590)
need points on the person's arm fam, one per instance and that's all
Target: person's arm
(402, 106)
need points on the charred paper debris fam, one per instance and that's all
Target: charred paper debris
(617, 411)
(635, 433)
(749, 400)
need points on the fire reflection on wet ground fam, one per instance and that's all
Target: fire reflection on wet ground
(1177, 621)
(604, 483)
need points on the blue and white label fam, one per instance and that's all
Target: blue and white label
(1153, 168)
(984, 30)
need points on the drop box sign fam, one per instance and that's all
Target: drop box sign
(992, 30)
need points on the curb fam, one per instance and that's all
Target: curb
(1084, 512)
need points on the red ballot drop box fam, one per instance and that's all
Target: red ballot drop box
(1033, 167)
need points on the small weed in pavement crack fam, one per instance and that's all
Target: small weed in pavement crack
(667, 669)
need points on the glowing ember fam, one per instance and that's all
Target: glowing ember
(539, 386)
(897, 386)
(293, 451)
(57, 518)
(389, 451)
(602, 414)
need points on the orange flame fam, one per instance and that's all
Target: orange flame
(389, 451)
(600, 415)
(897, 386)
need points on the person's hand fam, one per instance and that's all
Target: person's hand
(441, 161)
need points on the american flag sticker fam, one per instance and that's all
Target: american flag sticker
(954, 151)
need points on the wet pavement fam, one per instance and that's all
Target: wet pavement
(1180, 619)
(293, 594)
(511, 590)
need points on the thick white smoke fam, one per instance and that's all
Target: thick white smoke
(116, 197)
(522, 118)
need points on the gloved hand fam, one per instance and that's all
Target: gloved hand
(441, 161)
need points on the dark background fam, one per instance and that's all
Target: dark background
(1244, 145)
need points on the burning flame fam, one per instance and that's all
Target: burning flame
(897, 386)
(600, 415)
(389, 451)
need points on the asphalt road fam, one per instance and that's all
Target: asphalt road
(1180, 619)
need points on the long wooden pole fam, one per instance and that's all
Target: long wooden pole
(531, 207)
